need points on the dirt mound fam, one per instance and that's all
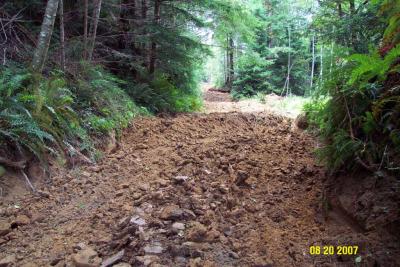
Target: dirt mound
(194, 190)
(222, 102)
(217, 96)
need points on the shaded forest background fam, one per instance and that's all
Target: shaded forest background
(74, 71)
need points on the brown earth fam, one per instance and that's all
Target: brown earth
(222, 189)
(221, 102)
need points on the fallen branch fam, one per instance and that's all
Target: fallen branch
(28, 182)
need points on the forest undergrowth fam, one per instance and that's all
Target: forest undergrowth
(357, 107)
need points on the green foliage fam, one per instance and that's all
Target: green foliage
(22, 124)
(103, 104)
(373, 66)
(356, 29)
(234, 18)
(390, 14)
(358, 117)
(160, 95)
(280, 33)
(43, 115)
(252, 76)
(314, 110)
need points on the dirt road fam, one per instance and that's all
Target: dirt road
(227, 189)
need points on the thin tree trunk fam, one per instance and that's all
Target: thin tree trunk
(331, 65)
(342, 39)
(353, 36)
(269, 8)
(40, 54)
(231, 62)
(85, 29)
(133, 26)
(352, 7)
(62, 35)
(227, 81)
(133, 12)
(340, 9)
(153, 51)
(144, 33)
(313, 62)
(96, 17)
(124, 24)
(321, 71)
(289, 63)
(144, 10)
(225, 67)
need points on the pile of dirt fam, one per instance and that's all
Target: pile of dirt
(217, 96)
(218, 102)
(194, 190)
(222, 102)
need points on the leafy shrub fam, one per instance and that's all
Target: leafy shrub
(35, 122)
(358, 116)
(51, 114)
(160, 95)
(103, 104)
(314, 111)
(373, 66)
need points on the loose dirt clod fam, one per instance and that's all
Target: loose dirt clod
(5, 227)
(8, 261)
(87, 257)
(197, 232)
(113, 259)
(171, 212)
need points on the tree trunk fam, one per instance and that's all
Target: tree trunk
(353, 36)
(331, 65)
(144, 32)
(352, 7)
(321, 70)
(340, 9)
(313, 62)
(342, 39)
(127, 25)
(85, 29)
(95, 22)
(40, 54)
(231, 62)
(153, 52)
(144, 10)
(289, 64)
(270, 12)
(62, 35)
(124, 24)
(227, 79)
(133, 12)
(225, 67)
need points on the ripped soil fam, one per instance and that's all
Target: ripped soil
(226, 189)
